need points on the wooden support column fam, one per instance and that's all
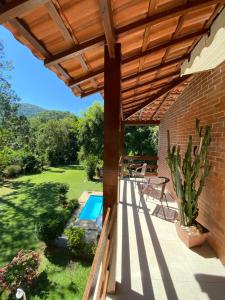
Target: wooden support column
(112, 126)
(112, 145)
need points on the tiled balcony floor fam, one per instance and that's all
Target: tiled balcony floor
(152, 263)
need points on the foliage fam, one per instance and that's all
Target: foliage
(12, 171)
(63, 189)
(31, 163)
(21, 271)
(91, 163)
(50, 226)
(89, 251)
(90, 132)
(72, 205)
(78, 245)
(57, 140)
(141, 140)
(99, 168)
(189, 175)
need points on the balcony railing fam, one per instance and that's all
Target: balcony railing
(98, 281)
(132, 162)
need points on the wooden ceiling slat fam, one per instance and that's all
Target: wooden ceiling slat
(58, 21)
(155, 68)
(16, 8)
(107, 21)
(132, 87)
(55, 15)
(173, 84)
(76, 50)
(166, 45)
(152, 89)
(168, 14)
(155, 80)
(92, 74)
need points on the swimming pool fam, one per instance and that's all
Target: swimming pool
(92, 209)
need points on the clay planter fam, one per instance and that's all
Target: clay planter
(190, 236)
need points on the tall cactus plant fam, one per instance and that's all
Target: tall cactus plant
(189, 174)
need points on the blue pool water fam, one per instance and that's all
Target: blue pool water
(92, 209)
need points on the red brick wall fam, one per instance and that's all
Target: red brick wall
(204, 98)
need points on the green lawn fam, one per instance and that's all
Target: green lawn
(21, 202)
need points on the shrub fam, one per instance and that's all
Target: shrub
(89, 251)
(21, 271)
(90, 165)
(50, 226)
(73, 204)
(76, 240)
(63, 189)
(12, 171)
(78, 245)
(31, 163)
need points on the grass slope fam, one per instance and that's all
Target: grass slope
(21, 202)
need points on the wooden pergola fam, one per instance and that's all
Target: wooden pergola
(130, 51)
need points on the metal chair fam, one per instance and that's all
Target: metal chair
(139, 172)
(153, 186)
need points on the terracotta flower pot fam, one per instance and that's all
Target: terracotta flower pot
(190, 235)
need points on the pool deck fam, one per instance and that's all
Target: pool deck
(152, 262)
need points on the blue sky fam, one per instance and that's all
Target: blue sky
(36, 84)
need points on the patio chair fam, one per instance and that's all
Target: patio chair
(155, 187)
(139, 172)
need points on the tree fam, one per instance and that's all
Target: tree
(57, 141)
(90, 128)
(141, 140)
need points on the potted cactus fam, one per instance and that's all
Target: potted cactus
(188, 177)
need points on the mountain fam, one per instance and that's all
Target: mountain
(29, 110)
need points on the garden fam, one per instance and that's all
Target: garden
(28, 205)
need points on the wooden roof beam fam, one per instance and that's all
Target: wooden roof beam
(143, 93)
(107, 21)
(167, 76)
(147, 52)
(53, 12)
(155, 68)
(140, 122)
(25, 32)
(151, 20)
(57, 18)
(133, 104)
(155, 80)
(17, 8)
(169, 13)
(173, 84)
(129, 77)
(75, 51)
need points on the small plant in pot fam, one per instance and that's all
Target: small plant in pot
(188, 177)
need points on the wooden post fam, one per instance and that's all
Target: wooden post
(112, 146)
(112, 126)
